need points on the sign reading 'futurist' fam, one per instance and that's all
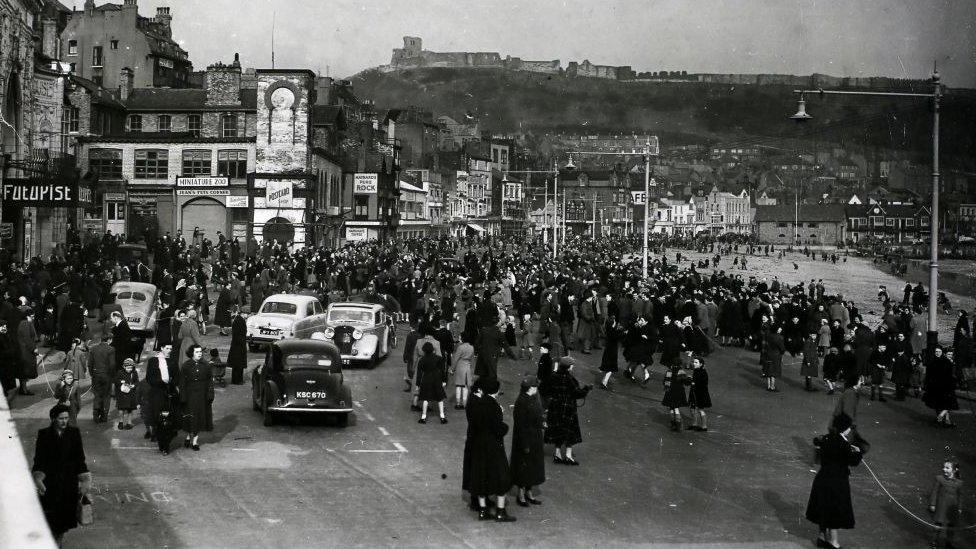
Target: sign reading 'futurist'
(28, 193)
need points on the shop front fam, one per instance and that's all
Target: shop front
(38, 213)
(280, 211)
(202, 206)
(150, 212)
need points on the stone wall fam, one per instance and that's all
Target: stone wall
(283, 133)
(827, 233)
(223, 85)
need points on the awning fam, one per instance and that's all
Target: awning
(477, 228)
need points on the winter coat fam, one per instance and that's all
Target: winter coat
(60, 459)
(196, 396)
(919, 326)
(127, 401)
(811, 360)
(672, 343)
(431, 374)
(674, 389)
(830, 503)
(945, 499)
(27, 345)
(528, 454)
(237, 355)
(612, 332)
(488, 471)
(225, 303)
(940, 385)
(901, 369)
(698, 395)
(488, 348)
(188, 336)
(775, 347)
(562, 420)
(586, 326)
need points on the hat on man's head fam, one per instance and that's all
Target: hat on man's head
(842, 422)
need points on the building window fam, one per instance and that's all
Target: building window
(96, 56)
(890, 222)
(228, 125)
(165, 123)
(73, 67)
(877, 220)
(196, 163)
(781, 224)
(113, 45)
(193, 124)
(909, 222)
(813, 225)
(72, 47)
(107, 163)
(69, 120)
(135, 123)
(151, 164)
(361, 210)
(232, 164)
(115, 211)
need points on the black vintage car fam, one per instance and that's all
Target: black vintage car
(301, 376)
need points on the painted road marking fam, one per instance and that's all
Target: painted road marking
(245, 449)
(384, 431)
(116, 445)
(400, 447)
(357, 404)
(369, 416)
(374, 451)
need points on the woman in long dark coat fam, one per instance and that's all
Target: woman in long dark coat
(528, 463)
(27, 345)
(608, 363)
(810, 367)
(562, 420)
(196, 395)
(488, 472)
(639, 352)
(237, 355)
(222, 312)
(794, 336)
(775, 347)
(71, 325)
(829, 506)
(60, 471)
(672, 342)
(940, 388)
(699, 399)
(474, 396)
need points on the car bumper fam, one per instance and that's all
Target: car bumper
(263, 339)
(348, 360)
(308, 409)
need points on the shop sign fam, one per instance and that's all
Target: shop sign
(237, 201)
(142, 199)
(6, 231)
(638, 197)
(279, 194)
(298, 203)
(356, 234)
(202, 192)
(114, 197)
(239, 230)
(202, 181)
(21, 192)
(365, 183)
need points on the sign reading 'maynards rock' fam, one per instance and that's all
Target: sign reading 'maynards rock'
(23, 192)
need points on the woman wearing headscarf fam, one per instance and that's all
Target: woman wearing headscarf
(60, 472)
(528, 465)
(189, 334)
(940, 388)
(196, 395)
(562, 420)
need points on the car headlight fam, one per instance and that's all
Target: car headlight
(357, 334)
(329, 333)
(355, 352)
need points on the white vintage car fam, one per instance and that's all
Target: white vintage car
(277, 316)
(139, 304)
(361, 331)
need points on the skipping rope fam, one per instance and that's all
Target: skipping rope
(910, 513)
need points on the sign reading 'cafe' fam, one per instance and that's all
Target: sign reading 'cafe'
(22, 192)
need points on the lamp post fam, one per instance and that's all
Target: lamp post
(801, 115)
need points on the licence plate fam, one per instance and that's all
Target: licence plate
(269, 331)
(133, 319)
(310, 394)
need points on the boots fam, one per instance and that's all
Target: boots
(502, 516)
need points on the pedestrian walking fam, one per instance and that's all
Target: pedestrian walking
(189, 334)
(162, 377)
(431, 380)
(66, 393)
(9, 360)
(612, 333)
(27, 346)
(810, 367)
(674, 394)
(528, 463)
(102, 368)
(829, 505)
(940, 388)
(461, 371)
(237, 355)
(126, 395)
(775, 348)
(699, 399)
(60, 472)
(562, 418)
(196, 396)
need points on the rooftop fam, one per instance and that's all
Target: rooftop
(806, 213)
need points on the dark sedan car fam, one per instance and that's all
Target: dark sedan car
(301, 376)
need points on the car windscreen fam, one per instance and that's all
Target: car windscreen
(313, 361)
(350, 315)
(134, 296)
(279, 307)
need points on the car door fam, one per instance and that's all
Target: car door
(258, 379)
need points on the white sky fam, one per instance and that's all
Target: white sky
(898, 38)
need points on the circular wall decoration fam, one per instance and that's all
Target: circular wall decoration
(281, 95)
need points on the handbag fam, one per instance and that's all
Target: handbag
(86, 514)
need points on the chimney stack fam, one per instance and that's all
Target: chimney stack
(164, 18)
(89, 7)
(125, 83)
(223, 83)
(49, 37)
(129, 4)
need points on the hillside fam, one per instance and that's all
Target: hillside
(506, 101)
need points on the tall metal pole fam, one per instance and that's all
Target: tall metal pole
(545, 212)
(933, 332)
(647, 198)
(555, 209)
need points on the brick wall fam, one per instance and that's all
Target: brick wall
(223, 85)
(827, 234)
(283, 134)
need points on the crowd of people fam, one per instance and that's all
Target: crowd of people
(469, 304)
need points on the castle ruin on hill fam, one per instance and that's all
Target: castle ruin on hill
(413, 56)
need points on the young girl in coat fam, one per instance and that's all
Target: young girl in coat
(699, 398)
(674, 394)
(126, 393)
(944, 502)
(67, 393)
(525, 337)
